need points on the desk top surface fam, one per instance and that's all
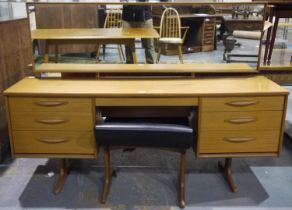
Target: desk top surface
(94, 33)
(257, 85)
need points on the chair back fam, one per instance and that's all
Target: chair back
(113, 18)
(170, 25)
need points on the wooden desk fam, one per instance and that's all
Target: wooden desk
(92, 36)
(237, 117)
(278, 10)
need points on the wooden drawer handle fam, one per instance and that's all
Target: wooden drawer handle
(51, 121)
(241, 103)
(239, 139)
(51, 103)
(241, 120)
(53, 141)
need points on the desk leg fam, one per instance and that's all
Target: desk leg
(133, 51)
(107, 175)
(46, 57)
(226, 169)
(64, 171)
(273, 39)
(56, 53)
(268, 39)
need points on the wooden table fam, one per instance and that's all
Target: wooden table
(278, 10)
(238, 116)
(92, 36)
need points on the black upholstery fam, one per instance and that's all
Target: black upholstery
(145, 132)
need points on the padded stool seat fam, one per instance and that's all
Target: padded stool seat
(170, 133)
(143, 132)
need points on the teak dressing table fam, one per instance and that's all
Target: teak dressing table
(237, 116)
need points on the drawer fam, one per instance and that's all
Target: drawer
(209, 27)
(209, 35)
(19, 104)
(260, 120)
(242, 103)
(51, 121)
(239, 141)
(208, 41)
(53, 142)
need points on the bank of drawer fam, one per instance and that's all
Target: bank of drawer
(258, 120)
(242, 103)
(53, 142)
(51, 121)
(19, 104)
(239, 141)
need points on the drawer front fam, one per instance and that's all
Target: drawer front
(209, 27)
(51, 121)
(53, 142)
(239, 141)
(19, 104)
(209, 35)
(260, 120)
(208, 41)
(242, 103)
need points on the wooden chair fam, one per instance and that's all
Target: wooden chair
(171, 133)
(113, 20)
(170, 31)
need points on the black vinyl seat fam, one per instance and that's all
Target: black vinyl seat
(168, 133)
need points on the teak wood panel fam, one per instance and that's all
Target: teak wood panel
(239, 141)
(51, 121)
(53, 142)
(67, 16)
(242, 103)
(37, 104)
(183, 101)
(15, 56)
(256, 120)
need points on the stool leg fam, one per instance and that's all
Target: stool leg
(180, 54)
(226, 169)
(182, 179)
(158, 54)
(107, 174)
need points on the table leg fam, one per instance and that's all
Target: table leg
(273, 39)
(226, 169)
(133, 51)
(46, 57)
(64, 171)
(268, 39)
(56, 53)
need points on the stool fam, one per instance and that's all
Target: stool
(173, 134)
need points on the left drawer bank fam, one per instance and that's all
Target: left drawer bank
(51, 127)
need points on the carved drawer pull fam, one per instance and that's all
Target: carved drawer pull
(242, 120)
(239, 139)
(51, 103)
(241, 103)
(54, 141)
(51, 121)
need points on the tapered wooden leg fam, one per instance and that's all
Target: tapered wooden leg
(158, 55)
(107, 175)
(46, 57)
(180, 54)
(133, 51)
(103, 51)
(226, 169)
(182, 179)
(56, 53)
(273, 39)
(121, 54)
(64, 171)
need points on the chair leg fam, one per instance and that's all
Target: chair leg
(103, 51)
(158, 55)
(107, 175)
(121, 54)
(182, 179)
(180, 54)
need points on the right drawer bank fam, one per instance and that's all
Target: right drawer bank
(231, 126)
